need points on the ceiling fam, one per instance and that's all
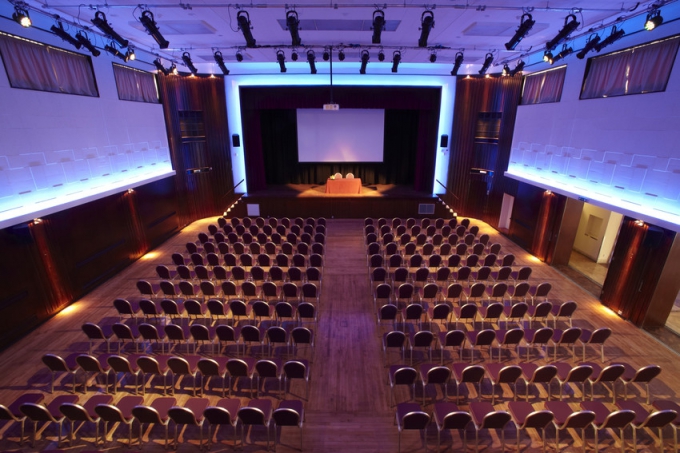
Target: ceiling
(475, 27)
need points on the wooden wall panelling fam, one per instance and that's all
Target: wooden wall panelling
(547, 226)
(157, 210)
(566, 235)
(525, 212)
(666, 290)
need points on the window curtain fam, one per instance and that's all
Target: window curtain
(544, 87)
(39, 67)
(638, 70)
(134, 85)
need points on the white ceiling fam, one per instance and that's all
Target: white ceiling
(475, 27)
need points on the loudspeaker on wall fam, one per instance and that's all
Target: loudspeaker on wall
(235, 140)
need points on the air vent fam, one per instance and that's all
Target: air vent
(426, 208)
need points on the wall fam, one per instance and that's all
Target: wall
(610, 235)
(590, 232)
(59, 150)
(584, 148)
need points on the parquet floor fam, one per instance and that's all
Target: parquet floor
(348, 409)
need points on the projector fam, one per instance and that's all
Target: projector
(331, 106)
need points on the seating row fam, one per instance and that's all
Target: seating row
(272, 221)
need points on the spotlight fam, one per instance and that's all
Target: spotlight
(488, 59)
(239, 56)
(381, 55)
(281, 58)
(567, 29)
(150, 24)
(614, 36)
(173, 69)
(113, 50)
(294, 55)
(522, 30)
(326, 54)
(341, 55)
(81, 36)
(506, 70)
(563, 53)
(593, 40)
(59, 31)
(130, 54)
(654, 19)
(99, 21)
(20, 15)
(186, 58)
(396, 59)
(157, 63)
(364, 61)
(457, 63)
(311, 58)
(243, 19)
(378, 25)
(426, 24)
(518, 68)
(433, 57)
(548, 57)
(293, 26)
(219, 59)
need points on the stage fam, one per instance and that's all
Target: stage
(310, 200)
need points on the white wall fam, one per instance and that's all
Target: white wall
(588, 242)
(59, 150)
(621, 153)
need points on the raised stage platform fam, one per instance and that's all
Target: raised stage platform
(310, 200)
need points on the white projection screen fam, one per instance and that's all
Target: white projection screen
(349, 135)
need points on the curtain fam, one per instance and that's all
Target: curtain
(39, 67)
(135, 85)
(544, 87)
(637, 70)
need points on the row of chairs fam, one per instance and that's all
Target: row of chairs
(435, 261)
(257, 274)
(445, 250)
(219, 235)
(272, 221)
(430, 234)
(410, 222)
(246, 255)
(231, 240)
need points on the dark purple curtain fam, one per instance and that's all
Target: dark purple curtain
(544, 87)
(135, 85)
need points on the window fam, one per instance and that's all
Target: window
(640, 69)
(37, 66)
(135, 85)
(543, 87)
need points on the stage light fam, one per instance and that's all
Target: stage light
(433, 57)
(219, 59)
(522, 30)
(239, 56)
(654, 19)
(563, 53)
(243, 19)
(396, 59)
(593, 40)
(20, 15)
(294, 55)
(614, 36)
(293, 26)
(157, 63)
(378, 25)
(506, 70)
(381, 55)
(364, 61)
(518, 68)
(100, 22)
(426, 24)
(548, 57)
(173, 69)
(326, 54)
(341, 55)
(82, 38)
(567, 29)
(186, 58)
(152, 28)
(59, 31)
(281, 58)
(311, 59)
(130, 54)
(113, 50)
(457, 63)
(488, 59)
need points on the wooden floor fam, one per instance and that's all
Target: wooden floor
(348, 408)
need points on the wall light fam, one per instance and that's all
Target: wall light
(219, 59)
(563, 34)
(614, 36)
(243, 19)
(506, 70)
(311, 59)
(239, 56)
(82, 38)
(433, 57)
(131, 191)
(488, 59)
(59, 31)
(396, 59)
(593, 40)
(426, 25)
(294, 55)
(113, 50)
(159, 65)
(20, 15)
(364, 61)
(281, 58)
(457, 63)
(173, 69)
(341, 55)
(326, 54)
(37, 221)
(149, 23)
(522, 30)
(130, 54)
(548, 57)
(518, 69)
(640, 223)
(293, 26)
(378, 25)
(100, 22)
(186, 58)
(654, 19)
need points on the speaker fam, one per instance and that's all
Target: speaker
(444, 141)
(235, 141)
(653, 237)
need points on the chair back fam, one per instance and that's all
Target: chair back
(301, 335)
(579, 373)
(513, 336)
(89, 363)
(521, 290)
(423, 338)
(179, 365)
(454, 291)
(611, 373)
(441, 311)
(251, 416)
(646, 373)
(36, 412)
(174, 332)
(495, 420)
(119, 364)
(251, 333)
(405, 376)
(225, 333)
(618, 419)
(395, 339)
(538, 419)
(218, 416)
(216, 307)
(468, 311)
(571, 335)
(267, 368)
(415, 420)
(295, 369)
(485, 337)
(149, 365)
(109, 413)
(75, 412)
(286, 416)
(438, 375)
(658, 419)
(464, 273)
(199, 332)
(518, 310)
(148, 307)
(456, 420)
(123, 306)
(509, 374)
(93, 331)
(276, 334)
(237, 367)
(454, 338)
(600, 335)
(182, 416)
(473, 373)
(544, 373)
(413, 311)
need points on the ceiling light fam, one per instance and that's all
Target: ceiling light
(311, 58)
(506, 70)
(378, 25)
(488, 59)
(614, 36)
(654, 19)
(518, 68)
(341, 55)
(130, 54)
(243, 19)
(326, 54)
(548, 57)
(100, 22)
(281, 58)
(82, 38)
(219, 59)
(396, 59)
(239, 56)
(157, 63)
(381, 55)
(59, 31)
(186, 58)
(113, 50)
(294, 55)
(426, 24)
(152, 28)
(457, 63)
(293, 24)
(364, 61)
(433, 57)
(567, 29)
(20, 15)
(593, 40)
(522, 30)
(563, 53)
(173, 69)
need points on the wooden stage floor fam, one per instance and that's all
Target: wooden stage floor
(319, 190)
(348, 408)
